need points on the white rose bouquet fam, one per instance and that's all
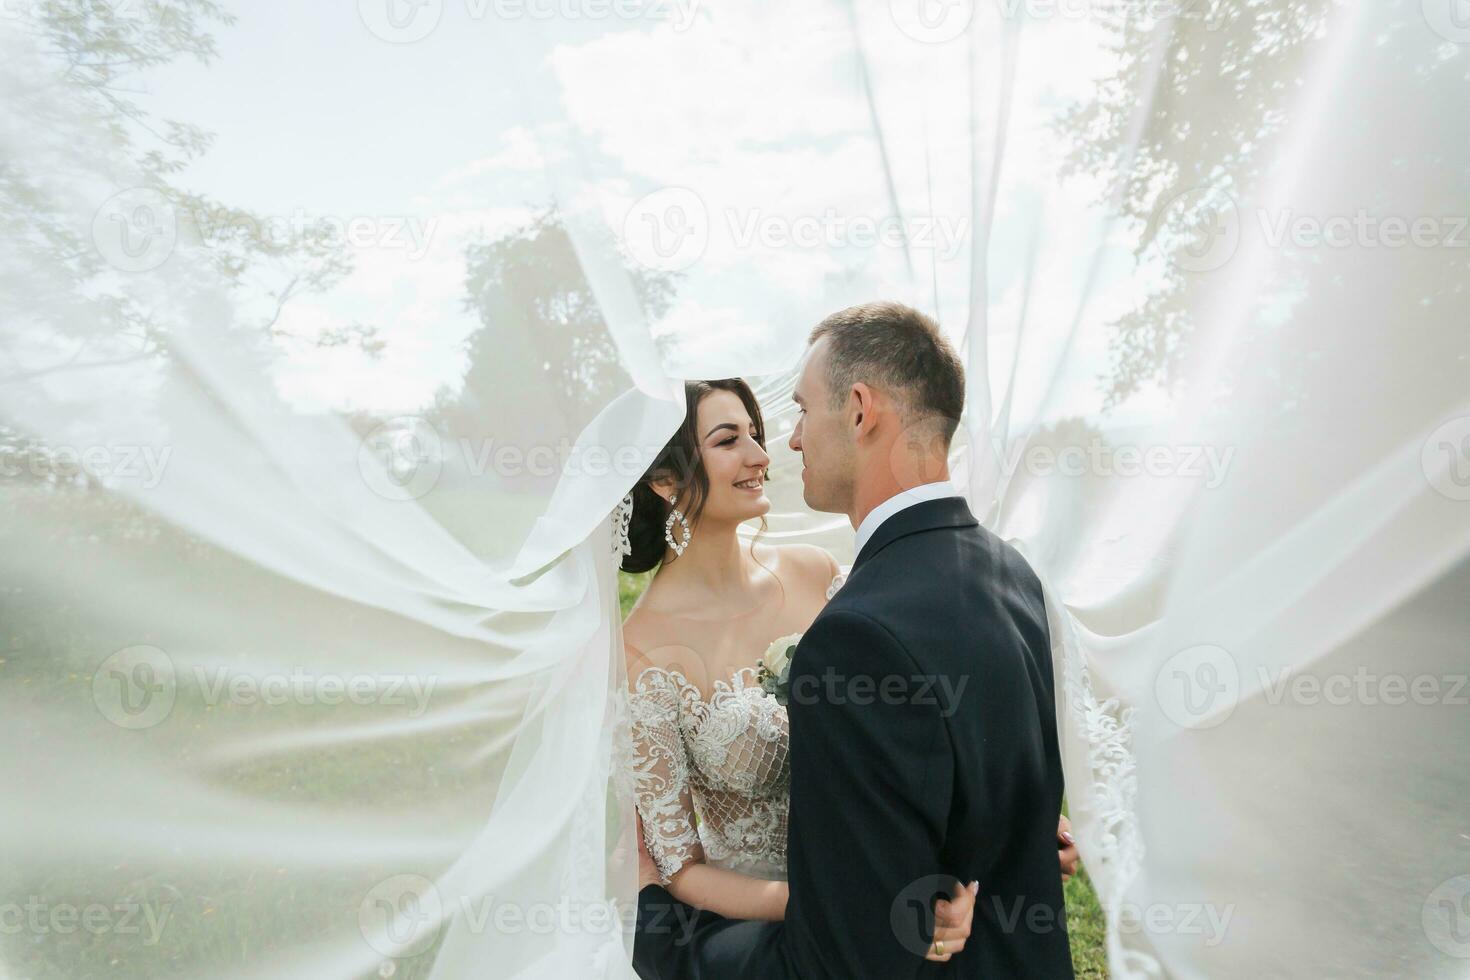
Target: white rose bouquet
(774, 669)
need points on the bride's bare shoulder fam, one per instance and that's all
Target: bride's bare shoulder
(640, 642)
(804, 564)
(650, 638)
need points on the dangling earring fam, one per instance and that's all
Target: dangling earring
(676, 515)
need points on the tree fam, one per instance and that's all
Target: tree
(1221, 109)
(538, 313)
(85, 52)
(70, 74)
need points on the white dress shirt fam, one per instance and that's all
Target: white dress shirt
(900, 501)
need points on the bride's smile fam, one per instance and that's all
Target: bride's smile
(733, 455)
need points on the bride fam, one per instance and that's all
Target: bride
(711, 746)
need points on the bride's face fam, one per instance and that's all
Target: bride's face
(733, 461)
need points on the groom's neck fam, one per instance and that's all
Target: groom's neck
(881, 485)
(867, 499)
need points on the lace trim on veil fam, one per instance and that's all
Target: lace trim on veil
(1119, 848)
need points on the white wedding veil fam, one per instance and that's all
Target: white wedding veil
(332, 336)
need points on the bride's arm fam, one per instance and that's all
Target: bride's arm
(729, 893)
(666, 808)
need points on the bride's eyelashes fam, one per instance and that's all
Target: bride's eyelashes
(733, 439)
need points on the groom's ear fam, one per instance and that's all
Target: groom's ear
(862, 404)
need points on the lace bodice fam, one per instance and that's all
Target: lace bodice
(725, 759)
(712, 777)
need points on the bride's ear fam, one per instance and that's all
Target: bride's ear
(664, 486)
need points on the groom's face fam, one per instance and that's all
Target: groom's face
(823, 439)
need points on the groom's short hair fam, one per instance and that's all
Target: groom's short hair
(899, 350)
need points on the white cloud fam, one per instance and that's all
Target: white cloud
(520, 152)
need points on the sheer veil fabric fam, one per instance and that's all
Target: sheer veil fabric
(312, 662)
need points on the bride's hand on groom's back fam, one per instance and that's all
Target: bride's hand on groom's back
(952, 920)
(953, 917)
(1066, 848)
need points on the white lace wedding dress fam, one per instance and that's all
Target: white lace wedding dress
(712, 771)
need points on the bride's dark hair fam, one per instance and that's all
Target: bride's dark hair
(680, 459)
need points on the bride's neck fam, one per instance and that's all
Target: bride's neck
(716, 561)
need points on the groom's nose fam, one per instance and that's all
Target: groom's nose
(794, 443)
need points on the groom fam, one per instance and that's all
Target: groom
(923, 727)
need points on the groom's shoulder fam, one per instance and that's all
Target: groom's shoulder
(953, 567)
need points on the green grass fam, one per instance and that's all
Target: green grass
(1086, 929)
(1085, 923)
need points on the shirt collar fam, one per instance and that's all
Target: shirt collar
(900, 501)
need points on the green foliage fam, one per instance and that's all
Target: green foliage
(538, 312)
(630, 587)
(1242, 54)
(1212, 124)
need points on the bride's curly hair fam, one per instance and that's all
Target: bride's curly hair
(680, 459)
